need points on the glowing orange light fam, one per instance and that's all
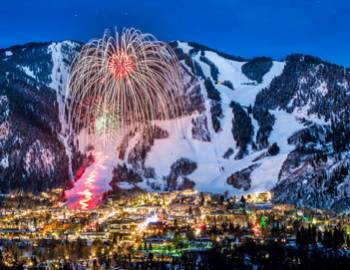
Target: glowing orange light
(256, 230)
(121, 64)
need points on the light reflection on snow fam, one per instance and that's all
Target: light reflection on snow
(90, 187)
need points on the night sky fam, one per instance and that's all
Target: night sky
(245, 28)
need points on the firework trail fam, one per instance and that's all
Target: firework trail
(122, 82)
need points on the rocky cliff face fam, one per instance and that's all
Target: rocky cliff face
(249, 125)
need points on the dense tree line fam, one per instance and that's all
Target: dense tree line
(214, 71)
(242, 128)
(256, 68)
(330, 238)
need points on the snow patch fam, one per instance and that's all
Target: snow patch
(40, 157)
(184, 47)
(28, 71)
(322, 89)
(4, 162)
(266, 175)
(125, 185)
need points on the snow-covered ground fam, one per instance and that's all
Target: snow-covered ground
(213, 169)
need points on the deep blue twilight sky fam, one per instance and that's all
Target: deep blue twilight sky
(241, 27)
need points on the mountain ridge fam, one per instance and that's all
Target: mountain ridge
(250, 116)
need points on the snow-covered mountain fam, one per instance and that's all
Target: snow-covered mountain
(32, 156)
(249, 125)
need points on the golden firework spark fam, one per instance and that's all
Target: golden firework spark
(131, 77)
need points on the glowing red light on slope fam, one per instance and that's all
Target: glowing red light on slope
(89, 183)
(121, 65)
(84, 202)
(86, 193)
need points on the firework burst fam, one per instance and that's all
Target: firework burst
(123, 81)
